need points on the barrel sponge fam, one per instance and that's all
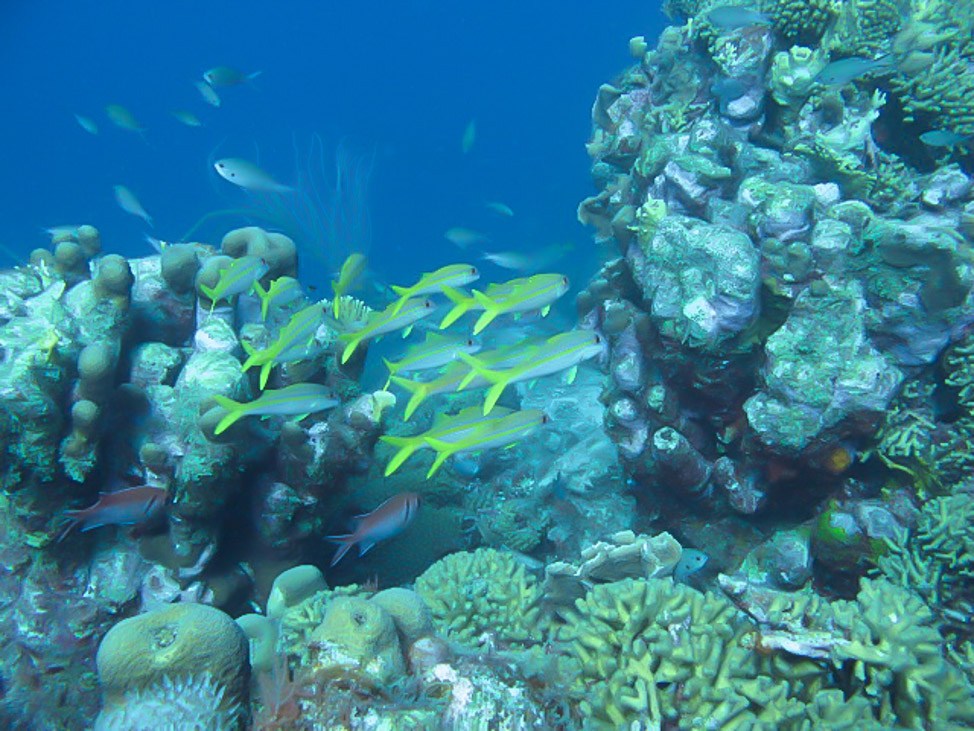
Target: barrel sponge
(179, 264)
(113, 279)
(276, 249)
(409, 612)
(293, 586)
(176, 641)
(482, 592)
(359, 637)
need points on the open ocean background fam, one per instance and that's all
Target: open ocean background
(400, 79)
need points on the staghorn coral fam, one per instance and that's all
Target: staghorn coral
(483, 592)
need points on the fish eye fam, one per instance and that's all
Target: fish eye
(545, 419)
(598, 339)
(470, 343)
(564, 280)
(473, 270)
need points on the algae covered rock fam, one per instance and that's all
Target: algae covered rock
(822, 372)
(702, 280)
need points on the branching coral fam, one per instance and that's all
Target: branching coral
(483, 592)
(936, 560)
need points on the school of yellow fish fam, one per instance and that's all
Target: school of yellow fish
(455, 360)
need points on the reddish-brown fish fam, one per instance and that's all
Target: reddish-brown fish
(123, 507)
(385, 521)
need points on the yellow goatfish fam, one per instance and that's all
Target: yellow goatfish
(449, 380)
(348, 277)
(237, 278)
(437, 350)
(535, 293)
(465, 420)
(298, 333)
(299, 399)
(524, 294)
(452, 275)
(387, 321)
(280, 292)
(561, 352)
(501, 431)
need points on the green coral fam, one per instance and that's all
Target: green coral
(801, 21)
(483, 592)
(936, 561)
(666, 654)
(864, 27)
(934, 54)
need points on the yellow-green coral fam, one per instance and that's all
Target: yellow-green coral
(801, 21)
(483, 592)
(665, 654)
(936, 560)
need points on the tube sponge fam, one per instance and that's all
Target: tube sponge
(113, 279)
(292, 587)
(176, 641)
(262, 633)
(96, 371)
(179, 264)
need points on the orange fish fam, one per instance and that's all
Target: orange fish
(386, 521)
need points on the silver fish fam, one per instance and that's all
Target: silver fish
(227, 76)
(130, 204)
(247, 175)
(206, 91)
(123, 118)
(87, 124)
(187, 118)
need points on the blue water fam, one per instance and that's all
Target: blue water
(400, 80)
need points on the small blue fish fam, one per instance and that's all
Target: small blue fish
(728, 90)
(691, 561)
(731, 17)
(840, 73)
(944, 138)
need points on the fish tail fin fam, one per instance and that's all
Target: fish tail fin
(351, 341)
(235, 410)
(444, 450)
(265, 372)
(392, 371)
(461, 304)
(491, 310)
(418, 390)
(344, 543)
(264, 296)
(210, 292)
(403, 293)
(406, 447)
(477, 369)
(254, 357)
(74, 520)
(493, 393)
